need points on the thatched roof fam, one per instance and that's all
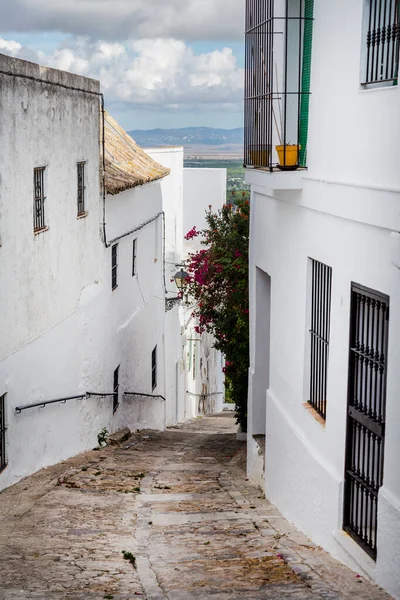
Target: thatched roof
(126, 164)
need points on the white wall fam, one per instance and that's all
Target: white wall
(204, 380)
(345, 215)
(49, 276)
(202, 187)
(173, 206)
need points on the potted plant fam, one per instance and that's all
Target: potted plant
(288, 155)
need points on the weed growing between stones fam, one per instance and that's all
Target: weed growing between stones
(129, 556)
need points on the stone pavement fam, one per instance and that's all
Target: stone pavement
(162, 516)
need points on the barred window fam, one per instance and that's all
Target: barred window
(115, 389)
(134, 246)
(381, 41)
(38, 199)
(321, 286)
(3, 461)
(81, 188)
(154, 368)
(114, 267)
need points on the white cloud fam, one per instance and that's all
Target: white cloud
(123, 19)
(10, 47)
(149, 72)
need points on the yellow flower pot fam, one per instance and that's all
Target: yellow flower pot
(288, 155)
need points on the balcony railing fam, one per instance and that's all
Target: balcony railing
(277, 83)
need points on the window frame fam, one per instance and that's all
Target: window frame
(114, 267)
(39, 197)
(154, 368)
(81, 196)
(116, 389)
(134, 255)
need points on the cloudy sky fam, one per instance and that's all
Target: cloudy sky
(162, 63)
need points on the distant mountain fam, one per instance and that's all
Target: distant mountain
(188, 136)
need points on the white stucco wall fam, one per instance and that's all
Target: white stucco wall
(172, 205)
(47, 276)
(205, 390)
(202, 187)
(344, 214)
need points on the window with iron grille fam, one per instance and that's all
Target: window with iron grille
(154, 368)
(3, 462)
(381, 41)
(81, 188)
(366, 415)
(114, 266)
(115, 389)
(321, 286)
(194, 361)
(38, 199)
(134, 246)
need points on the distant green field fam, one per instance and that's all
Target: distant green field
(235, 178)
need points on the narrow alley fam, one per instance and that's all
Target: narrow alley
(160, 516)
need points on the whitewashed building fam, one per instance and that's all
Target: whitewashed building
(89, 222)
(205, 390)
(324, 415)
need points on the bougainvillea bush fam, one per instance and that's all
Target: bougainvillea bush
(218, 284)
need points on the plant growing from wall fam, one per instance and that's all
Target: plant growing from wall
(218, 283)
(102, 437)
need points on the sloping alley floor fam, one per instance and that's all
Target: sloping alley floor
(162, 516)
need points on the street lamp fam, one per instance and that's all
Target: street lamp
(180, 278)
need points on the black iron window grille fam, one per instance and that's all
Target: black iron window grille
(277, 83)
(382, 41)
(369, 327)
(114, 267)
(81, 188)
(116, 389)
(321, 288)
(134, 247)
(194, 362)
(3, 461)
(154, 368)
(38, 199)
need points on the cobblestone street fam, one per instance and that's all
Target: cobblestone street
(160, 516)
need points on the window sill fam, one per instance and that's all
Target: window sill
(42, 230)
(82, 215)
(378, 86)
(314, 414)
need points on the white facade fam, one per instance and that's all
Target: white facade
(205, 389)
(65, 331)
(344, 212)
